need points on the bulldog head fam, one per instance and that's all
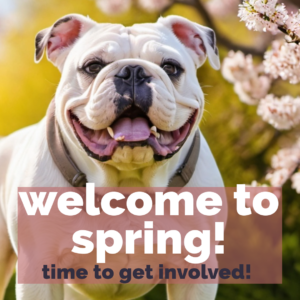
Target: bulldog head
(128, 94)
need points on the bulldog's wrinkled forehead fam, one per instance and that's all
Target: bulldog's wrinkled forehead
(112, 42)
(174, 36)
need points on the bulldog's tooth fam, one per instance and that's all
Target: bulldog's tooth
(176, 148)
(153, 130)
(110, 132)
(120, 138)
(156, 134)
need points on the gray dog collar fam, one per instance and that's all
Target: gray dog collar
(76, 178)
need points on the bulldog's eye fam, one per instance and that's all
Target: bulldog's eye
(93, 68)
(170, 69)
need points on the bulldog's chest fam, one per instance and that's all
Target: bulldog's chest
(112, 291)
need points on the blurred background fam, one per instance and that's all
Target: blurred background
(241, 142)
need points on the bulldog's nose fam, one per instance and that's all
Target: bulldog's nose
(132, 86)
(132, 74)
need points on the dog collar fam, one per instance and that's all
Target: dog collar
(76, 178)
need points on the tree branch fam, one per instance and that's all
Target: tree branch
(223, 40)
(294, 2)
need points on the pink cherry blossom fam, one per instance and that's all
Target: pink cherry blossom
(263, 15)
(278, 177)
(288, 158)
(249, 85)
(284, 164)
(221, 8)
(296, 182)
(112, 7)
(237, 66)
(252, 90)
(293, 23)
(282, 113)
(154, 5)
(283, 61)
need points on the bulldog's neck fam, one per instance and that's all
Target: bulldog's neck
(121, 173)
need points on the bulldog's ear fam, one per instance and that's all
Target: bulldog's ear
(59, 39)
(200, 39)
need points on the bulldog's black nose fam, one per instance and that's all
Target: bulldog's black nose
(132, 85)
(132, 74)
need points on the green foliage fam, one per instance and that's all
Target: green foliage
(10, 292)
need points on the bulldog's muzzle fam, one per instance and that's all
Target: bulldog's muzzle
(131, 83)
(139, 115)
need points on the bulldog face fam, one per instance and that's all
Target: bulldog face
(128, 94)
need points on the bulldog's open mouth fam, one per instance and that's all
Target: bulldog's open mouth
(133, 128)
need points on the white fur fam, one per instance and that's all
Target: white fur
(26, 160)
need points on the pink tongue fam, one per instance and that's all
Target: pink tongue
(132, 130)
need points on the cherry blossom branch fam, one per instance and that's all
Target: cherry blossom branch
(291, 36)
(253, 83)
(294, 2)
(221, 38)
(270, 16)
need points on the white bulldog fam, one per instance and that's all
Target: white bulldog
(128, 107)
